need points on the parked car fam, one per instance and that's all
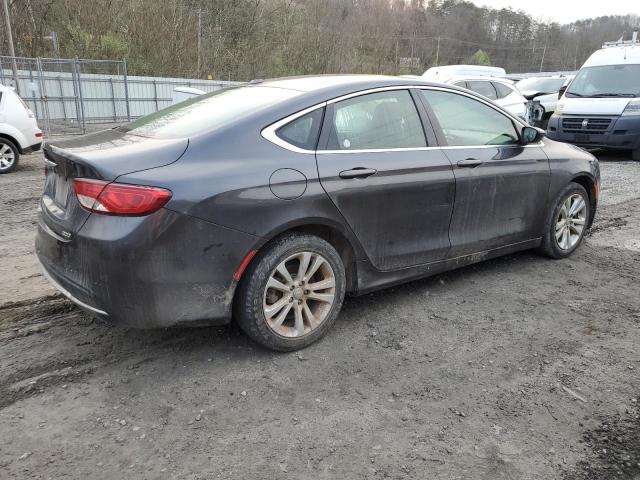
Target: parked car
(545, 91)
(444, 73)
(19, 132)
(180, 94)
(501, 91)
(601, 107)
(486, 81)
(272, 200)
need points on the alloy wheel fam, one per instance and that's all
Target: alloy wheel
(299, 294)
(7, 157)
(571, 221)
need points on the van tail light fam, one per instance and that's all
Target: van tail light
(119, 198)
(39, 134)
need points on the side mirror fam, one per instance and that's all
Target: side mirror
(562, 90)
(531, 135)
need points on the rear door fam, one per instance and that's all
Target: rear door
(394, 190)
(501, 185)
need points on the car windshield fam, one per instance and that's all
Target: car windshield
(547, 85)
(207, 112)
(606, 81)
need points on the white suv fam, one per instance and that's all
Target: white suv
(19, 132)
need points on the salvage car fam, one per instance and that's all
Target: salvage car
(545, 91)
(19, 132)
(270, 201)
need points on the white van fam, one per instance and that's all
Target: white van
(601, 106)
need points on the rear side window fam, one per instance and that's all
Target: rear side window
(483, 88)
(502, 89)
(376, 121)
(469, 122)
(303, 131)
(207, 112)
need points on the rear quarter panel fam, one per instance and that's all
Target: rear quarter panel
(227, 178)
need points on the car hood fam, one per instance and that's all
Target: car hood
(592, 106)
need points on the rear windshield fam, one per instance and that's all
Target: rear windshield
(606, 81)
(206, 112)
(543, 85)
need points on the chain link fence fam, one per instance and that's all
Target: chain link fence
(73, 96)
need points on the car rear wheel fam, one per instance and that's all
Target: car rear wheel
(635, 154)
(292, 292)
(9, 155)
(567, 223)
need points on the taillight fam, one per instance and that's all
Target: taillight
(119, 198)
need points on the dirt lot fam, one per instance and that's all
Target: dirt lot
(517, 368)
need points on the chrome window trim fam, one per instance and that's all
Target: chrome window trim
(269, 132)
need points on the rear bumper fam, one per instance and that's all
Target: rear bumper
(623, 132)
(163, 270)
(33, 148)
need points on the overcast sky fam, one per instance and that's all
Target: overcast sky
(566, 11)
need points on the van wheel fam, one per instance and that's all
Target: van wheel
(9, 156)
(292, 292)
(567, 223)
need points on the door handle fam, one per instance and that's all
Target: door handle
(469, 163)
(358, 172)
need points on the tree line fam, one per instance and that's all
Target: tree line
(246, 39)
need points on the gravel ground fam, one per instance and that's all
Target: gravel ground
(516, 368)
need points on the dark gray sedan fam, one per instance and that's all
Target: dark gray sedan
(270, 201)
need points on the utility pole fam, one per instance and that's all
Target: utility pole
(437, 52)
(544, 51)
(12, 51)
(199, 40)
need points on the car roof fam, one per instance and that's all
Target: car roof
(614, 55)
(486, 78)
(336, 85)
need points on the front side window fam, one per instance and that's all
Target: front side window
(376, 121)
(469, 122)
(303, 131)
(483, 88)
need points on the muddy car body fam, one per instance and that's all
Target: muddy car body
(245, 188)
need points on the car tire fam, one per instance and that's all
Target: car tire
(563, 234)
(303, 318)
(635, 154)
(9, 156)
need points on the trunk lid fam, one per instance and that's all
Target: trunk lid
(102, 156)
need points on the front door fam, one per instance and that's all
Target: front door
(394, 192)
(501, 185)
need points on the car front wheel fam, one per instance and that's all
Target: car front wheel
(292, 292)
(9, 156)
(567, 223)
